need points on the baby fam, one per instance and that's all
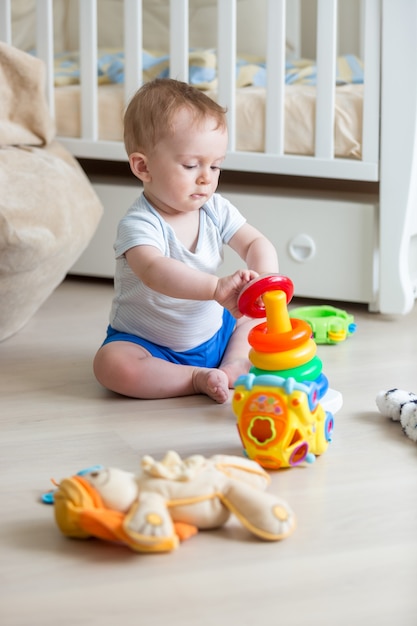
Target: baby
(175, 328)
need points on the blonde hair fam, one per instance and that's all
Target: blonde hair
(150, 113)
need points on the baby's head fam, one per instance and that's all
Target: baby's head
(150, 114)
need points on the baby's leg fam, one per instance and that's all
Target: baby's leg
(130, 370)
(235, 360)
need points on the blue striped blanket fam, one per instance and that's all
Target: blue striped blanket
(203, 69)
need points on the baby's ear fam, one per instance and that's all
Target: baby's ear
(139, 166)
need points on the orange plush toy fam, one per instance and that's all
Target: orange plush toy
(169, 501)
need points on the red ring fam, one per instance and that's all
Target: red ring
(248, 301)
(263, 341)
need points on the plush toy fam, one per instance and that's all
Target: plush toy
(400, 406)
(169, 501)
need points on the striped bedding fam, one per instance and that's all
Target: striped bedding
(203, 69)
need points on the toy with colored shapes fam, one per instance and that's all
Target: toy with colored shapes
(280, 422)
(280, 416)
(328, 324)
(169, 501)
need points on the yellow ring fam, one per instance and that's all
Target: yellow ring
(283, 360)
(337, 335)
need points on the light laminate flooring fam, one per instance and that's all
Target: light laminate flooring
(352, 559)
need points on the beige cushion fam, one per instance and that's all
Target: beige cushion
(48, 209)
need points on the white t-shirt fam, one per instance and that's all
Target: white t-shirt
(172, 322)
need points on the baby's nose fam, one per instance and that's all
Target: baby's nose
(204, 177)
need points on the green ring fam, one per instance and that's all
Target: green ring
(308, 371)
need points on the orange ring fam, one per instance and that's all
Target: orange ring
(263, 341)
(248, 301)
(283, 360)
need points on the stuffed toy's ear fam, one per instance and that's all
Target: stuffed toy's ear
(80, 512)
(73, 496)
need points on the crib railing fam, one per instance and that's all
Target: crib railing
(273, 160)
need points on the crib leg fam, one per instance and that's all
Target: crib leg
(398, 188)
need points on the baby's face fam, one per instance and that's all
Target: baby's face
(184, 168)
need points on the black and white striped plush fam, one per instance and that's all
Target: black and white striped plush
(400, 406)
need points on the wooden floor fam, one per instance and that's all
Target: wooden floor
(352, 559)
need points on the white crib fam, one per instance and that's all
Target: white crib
(336, 245)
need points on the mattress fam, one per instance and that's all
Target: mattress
(250, 117)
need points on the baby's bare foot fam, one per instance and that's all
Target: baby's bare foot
(234, 369)
(211, 382)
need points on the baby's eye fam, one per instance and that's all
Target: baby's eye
(189, 167)
(215, 168)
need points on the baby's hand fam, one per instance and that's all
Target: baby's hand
(229, 287)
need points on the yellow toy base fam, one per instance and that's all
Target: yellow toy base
(280, 421)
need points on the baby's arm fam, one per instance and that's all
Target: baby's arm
(169, 276)
(174, 278)
(255, 249)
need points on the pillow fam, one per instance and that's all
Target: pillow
(48, 214)
(24, 115)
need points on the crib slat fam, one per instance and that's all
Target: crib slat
(88, 65)
(6, 22)
(371, 89)
(326, 74)
(293, 27)
(45, 46)
(133, 44)
(275, 63)
(178, 44)
(226, 63)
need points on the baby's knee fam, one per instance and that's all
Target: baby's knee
(121, 367)
(111, 368)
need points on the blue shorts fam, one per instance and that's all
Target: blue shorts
(207, 354)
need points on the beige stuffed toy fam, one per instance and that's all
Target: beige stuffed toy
(169, 501)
